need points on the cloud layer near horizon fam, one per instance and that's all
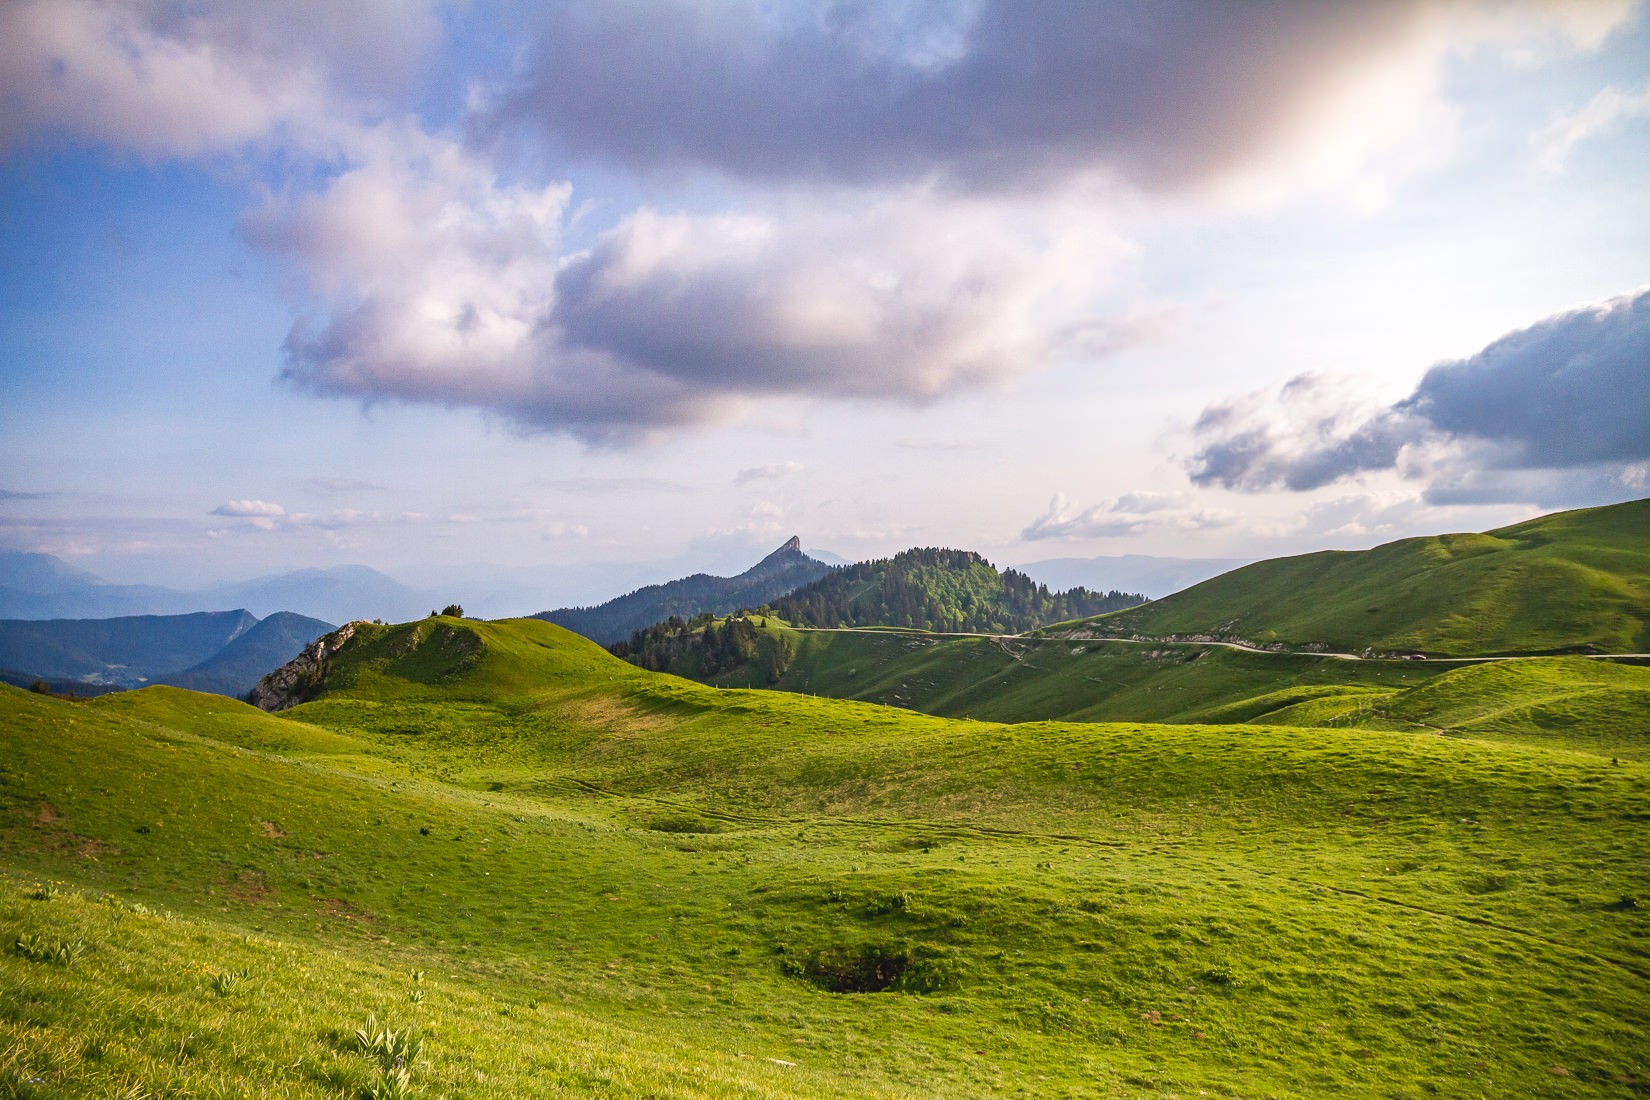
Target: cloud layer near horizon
(1568, 393)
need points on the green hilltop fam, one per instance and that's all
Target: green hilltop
(538, 870)
(1571, 582)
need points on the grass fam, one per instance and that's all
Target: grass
(621, 884)
(1570, 582)
(1026, 679)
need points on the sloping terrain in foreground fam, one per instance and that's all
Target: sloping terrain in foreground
(571, 877)
(1569, 582)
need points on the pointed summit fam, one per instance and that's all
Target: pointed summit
(780, 573)
(783, 556)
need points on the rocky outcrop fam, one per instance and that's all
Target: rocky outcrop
(299, 679)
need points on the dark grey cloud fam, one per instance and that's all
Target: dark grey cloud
(17, 494)
(1245, 455)
(1570, 392)
(999, 94)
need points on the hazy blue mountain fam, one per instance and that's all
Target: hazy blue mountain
(41, 573)
(127, 650)
(40, 586)
(238, 666)
(1151, 576)
(783, 571)
(338, 594)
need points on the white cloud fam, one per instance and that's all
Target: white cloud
(773, 471)
(434, 282)
(1569, 392)
(248, 508)
(1550, 148)
(1129, 514)
(176, 79)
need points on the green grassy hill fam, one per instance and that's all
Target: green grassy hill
(1034, 678)
(1570, 582)
(573, 877)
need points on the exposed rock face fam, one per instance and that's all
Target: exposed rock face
(298, 680)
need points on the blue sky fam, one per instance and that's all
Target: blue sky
(446, 289)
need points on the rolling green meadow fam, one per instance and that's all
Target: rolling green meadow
(540, 871)
(1572, 581)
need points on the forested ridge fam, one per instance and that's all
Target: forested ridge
(932, 588)
(929, 588)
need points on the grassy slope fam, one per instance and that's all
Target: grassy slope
(1603, 704)
(1025, 679)
(1562, 582)
(618, 868)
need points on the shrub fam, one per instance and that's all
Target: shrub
(228, 981)
(393, 1049)
(58, 952)
(873, 968)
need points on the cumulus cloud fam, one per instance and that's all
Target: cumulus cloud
(773, 471)
(1129, 514)
(181, 79)
(431, 280)
(1571, 392)
(901, 295)
(999, 94)
(241, 508)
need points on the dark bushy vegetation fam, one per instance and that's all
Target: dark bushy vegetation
(703, 647)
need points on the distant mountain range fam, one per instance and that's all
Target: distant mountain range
(783, 571)
(40, 586)
(224, 652)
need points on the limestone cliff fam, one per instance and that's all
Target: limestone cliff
(299, 679)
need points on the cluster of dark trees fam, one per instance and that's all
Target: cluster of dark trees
(943, 590)
(704, 648)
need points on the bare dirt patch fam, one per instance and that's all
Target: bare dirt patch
(91, 848)
(338, 909)
(615, 716)
(270, 829)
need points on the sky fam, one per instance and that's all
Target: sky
(590, 291)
